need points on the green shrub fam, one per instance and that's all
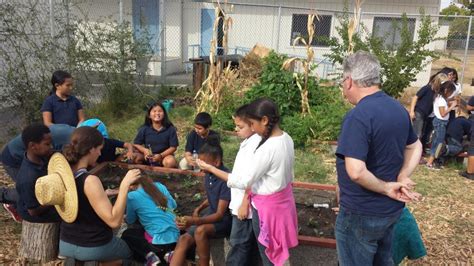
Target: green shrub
(279, 85)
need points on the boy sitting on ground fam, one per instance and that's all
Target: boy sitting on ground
(216, 221)
(197, 138)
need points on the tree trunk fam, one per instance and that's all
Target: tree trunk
(39, 242)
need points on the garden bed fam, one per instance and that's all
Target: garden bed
(316, 225)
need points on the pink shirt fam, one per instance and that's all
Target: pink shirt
(278, 229)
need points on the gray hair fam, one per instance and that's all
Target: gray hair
(363, 68)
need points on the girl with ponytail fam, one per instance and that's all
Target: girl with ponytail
(90, 236)
(268, 177)
(60, 107)
(152, 205)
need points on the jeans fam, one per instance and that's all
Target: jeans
(244, 250)
(116, 249)
(453, 148)
(9, 195)
(135, 239)
(364, 240)
(256, 231)
(439, 133)
(423, 127)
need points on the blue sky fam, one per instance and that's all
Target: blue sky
(444, 3)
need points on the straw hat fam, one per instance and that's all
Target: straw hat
(58, 188)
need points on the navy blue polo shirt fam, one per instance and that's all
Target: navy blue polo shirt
(424, 105)
(459, 127)
(63, 111)
(108, 152)
(376, 131)
(28, 174)
(194, 142)
(216, 190)
(13, 152)
(158, 140)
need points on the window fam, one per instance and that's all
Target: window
(299, 28)
(389, 30)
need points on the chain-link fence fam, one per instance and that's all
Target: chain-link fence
(91, 38)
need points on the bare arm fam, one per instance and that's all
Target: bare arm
(47, 118)
(111, 215)
(443, 111)
(411, 159)
(358, 173)
(39, 210)
(215, 217)
(414, 100)
(81, 116)
(189, 158)
(141, 149)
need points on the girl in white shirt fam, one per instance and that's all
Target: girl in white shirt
(242, 239)
(441, 119)
(269, 173)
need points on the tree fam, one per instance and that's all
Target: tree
(400, 63)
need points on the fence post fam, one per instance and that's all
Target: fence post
(162, 40)
(277, 49)
(121, 12)
(51, 30)
(465, 52)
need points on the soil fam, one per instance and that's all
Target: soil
(189, 192)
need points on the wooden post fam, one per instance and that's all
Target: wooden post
(39, 242)
(198, 73)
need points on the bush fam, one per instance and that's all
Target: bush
(325, 120)
(280, 85)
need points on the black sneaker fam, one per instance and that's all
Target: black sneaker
(440, 150)
(467, 175)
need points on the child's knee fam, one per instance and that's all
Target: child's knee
(201, 232)
(169, 161)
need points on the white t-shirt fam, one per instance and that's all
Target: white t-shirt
(440, 102)
(241, 164)
(271, 167)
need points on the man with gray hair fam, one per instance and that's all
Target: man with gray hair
(377, 152)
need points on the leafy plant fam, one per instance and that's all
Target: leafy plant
(400, 64)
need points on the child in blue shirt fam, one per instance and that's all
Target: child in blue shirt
(156, 140)
(152, 205)
(216, 222)
(197, 138)
(60, 107)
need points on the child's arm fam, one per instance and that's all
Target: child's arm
(189, 158)
(414, 100)
(142, 149)
(47, 118)
(443, 111)
(81, 116)
(201, 207)
(213, 218)
(129, 147)
(243, 212)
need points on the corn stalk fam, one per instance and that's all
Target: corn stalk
(209, 96)
(305, 109)
(354, 25)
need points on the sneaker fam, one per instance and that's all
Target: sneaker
(12, 211)
(168, 257)
(152, 259)
(467, 175)
(433, 167)
(440, 150)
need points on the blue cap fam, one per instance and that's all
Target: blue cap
(96, 123)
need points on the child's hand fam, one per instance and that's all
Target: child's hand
(130, 156)
(184, 222)
(203, 165)
(131, 177)
(243, 212)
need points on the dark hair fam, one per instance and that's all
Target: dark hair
(149, 187)
(83, 139)
(166, 121)
(241, 112)
(445, 89)
(34, 133)
(444, 70)
(212, 147)
(59, 77)
(264, 107)
(203, 119)
(455, 73)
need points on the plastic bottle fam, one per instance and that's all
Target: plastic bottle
(152, 259)
(195, 157)
(321, 205)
